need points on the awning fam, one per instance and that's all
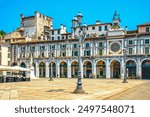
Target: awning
(13, 69)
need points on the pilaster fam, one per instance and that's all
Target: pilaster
(57, 70)
(122, 68)
(37, 69)
(107, 69)
(47, 70)
(93, 69)
(69, 69)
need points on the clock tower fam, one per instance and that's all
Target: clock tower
(115, 36)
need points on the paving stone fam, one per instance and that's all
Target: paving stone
(14, 95)
(5, 95)
(61, 89)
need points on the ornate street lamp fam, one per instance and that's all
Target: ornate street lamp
(76, 23)
(79, 17)
(125, 70)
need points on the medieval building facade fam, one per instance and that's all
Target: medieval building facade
(55, 51)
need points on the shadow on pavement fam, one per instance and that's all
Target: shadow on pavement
(56, 90)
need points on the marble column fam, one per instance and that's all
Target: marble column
(94, 69)
(57, 70)
(107, 69)
(69, 69)
(37, 69)
(122, 69)
(47, 70)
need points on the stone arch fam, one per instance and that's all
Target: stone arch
(41, 62)
(23, 65)
(87, 69)
(131, 60)
(144, 60)
(101, 60)
(101, 69)
(145, 65)
(131, 68)
(115, 69)
(14, 64)
(74, 69)
(52, 69)
(63, 69)
(86, 61)
(62, 61)
(115, 60)
(42, 69)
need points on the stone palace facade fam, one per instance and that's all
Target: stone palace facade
(55, 51)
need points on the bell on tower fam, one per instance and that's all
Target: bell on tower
(116, 16)
(116, 20)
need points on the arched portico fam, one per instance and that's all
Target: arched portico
(131, 68)
(74, 69)
(23, 65)
(63, 70)
(14, 64)
(52, 68)
(145, 69)
(115, 69)
(42, 68)
(101, 69)
(87, 69)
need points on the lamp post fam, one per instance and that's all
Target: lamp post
(77, 23)
(125, 71)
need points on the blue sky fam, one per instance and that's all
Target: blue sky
(132, 12)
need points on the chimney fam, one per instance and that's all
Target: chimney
(98, 22)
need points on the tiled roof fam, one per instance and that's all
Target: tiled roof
(145, 24)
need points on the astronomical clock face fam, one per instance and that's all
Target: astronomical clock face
(115, 47)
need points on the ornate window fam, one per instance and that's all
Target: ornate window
(87, 45)
(93, 28)
(32, 48)
(42, 47)
(52, 38)
(58, 37)
(130, 42)
(106, 27)
(147, 29)
(146, 41)
(146, 50)
(58, 31)
(100, 44)
(23, 48)
(87, 53)
(53, 32)
(75, 45)
(100, 28)
(130, 50)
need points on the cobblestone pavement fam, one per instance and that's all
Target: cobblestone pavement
(142, 92)
(61, 89)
